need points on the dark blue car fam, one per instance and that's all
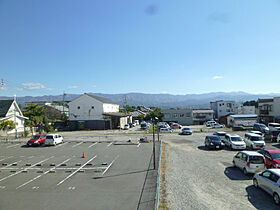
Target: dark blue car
(213, 142)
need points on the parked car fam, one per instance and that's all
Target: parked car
(234, 141)
(254, 141)
(269, 182)
(213, 142)
(186, 131)
(143, 125)
(271, 136)
(217, 125)
(261, 127)
(274, 126)
(165, 130)
(53, 139)
(209, 123)
(272, 158)
(257, 132)
(37, 140)
(163, 125)
(221, 134)
(249, 162)
(126, 127)
(176, 126)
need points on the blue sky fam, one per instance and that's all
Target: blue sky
(160, 46)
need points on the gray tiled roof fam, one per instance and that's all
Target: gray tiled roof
(4, 107)
(102, 99)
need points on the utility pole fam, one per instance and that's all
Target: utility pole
(63, 99)
(154, 149)
(15, 116)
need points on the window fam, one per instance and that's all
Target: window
(92, 107)
(266, 174)
(175, 115)
(167, 115)
(182, 115)
(78, 107)
(188, 114)
(244, 157)
(274, 177)
(239, 155)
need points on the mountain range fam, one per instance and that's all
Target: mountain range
(157, 100)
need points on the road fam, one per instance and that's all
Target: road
(198, 178)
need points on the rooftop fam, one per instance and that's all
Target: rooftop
(244, 116)
(4, 107)
(101, 99)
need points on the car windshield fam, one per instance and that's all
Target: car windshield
(215, 139)
(275, 156)
(220, 134)
(35, 137)
(187, 129)
(257, 138)
(256, 159)
(236, 138)
(262, 126)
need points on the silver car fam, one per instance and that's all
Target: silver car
(269, 181)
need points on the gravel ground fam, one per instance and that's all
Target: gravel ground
(198, 178)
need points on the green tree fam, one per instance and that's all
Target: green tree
(128, 108)
(36, 117)
(7, 126)
(251, 103)
(156, 113)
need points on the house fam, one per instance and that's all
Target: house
(200, 116)
(222, 108)
(181, 116)
(96, 113)
(9, 110)
(269, 110)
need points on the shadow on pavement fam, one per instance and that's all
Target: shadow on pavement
(260, 199)
(207, 149)
(235, 173)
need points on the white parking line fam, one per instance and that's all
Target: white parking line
(76, 171)
(25, 169)
(6, 158)
(61, 144)
(77, 144)
(30, 157)
(109, 165)
(31, 180)
(109, 144)
(92, 145)
(139, 145)
(13, 145)
(73, 168)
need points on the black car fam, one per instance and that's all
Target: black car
(214, 142)
(261, 127)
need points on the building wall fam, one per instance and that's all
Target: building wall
(181, 116)
(19, 122)
(246, 110)
(85, 108)
(199, 118)
(223, 108)
(276, 107)
(110, 108)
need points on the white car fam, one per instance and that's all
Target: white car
(249, 162)
(53, 139)
(254, 141)
(274, 126)
(270, 182)
(257, 132)
(217, 125)
(234, 141)
(210, 123)
(165, 130)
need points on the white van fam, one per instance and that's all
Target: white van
(210, 123)
(254, 141)
(234, 141)
(53, 139)
(249, 162)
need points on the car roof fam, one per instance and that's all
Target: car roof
(275, 171)
(232, 135)
(220, 132)
(252, 153)
(212, 136)
(273, 151)
(253, 134)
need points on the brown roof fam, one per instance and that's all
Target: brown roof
(265, 100)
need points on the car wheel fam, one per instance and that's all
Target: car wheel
(245, 171)
(230, 147)
(233, 163)
(255, 182)
(276, 198)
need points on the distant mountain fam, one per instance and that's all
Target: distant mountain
(158, 100)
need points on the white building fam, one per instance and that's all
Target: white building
(248, 110)
(9, 111)
(97, 113)
(222, 108)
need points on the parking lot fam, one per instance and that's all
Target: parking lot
(199, 178)
(115, 174)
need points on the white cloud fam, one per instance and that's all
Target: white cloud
(19, 89)
(217, 77)
(33, 86)
(3, 88)
(72, 87)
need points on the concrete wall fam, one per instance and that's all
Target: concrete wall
(110, 108)
(222, 108)
(276, 107)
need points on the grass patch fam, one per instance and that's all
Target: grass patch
(162, 188)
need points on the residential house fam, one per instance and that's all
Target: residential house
(181, 116)
(200, 116)
(96, 113)
(10, 111)
(222, 108)
(269, 110)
